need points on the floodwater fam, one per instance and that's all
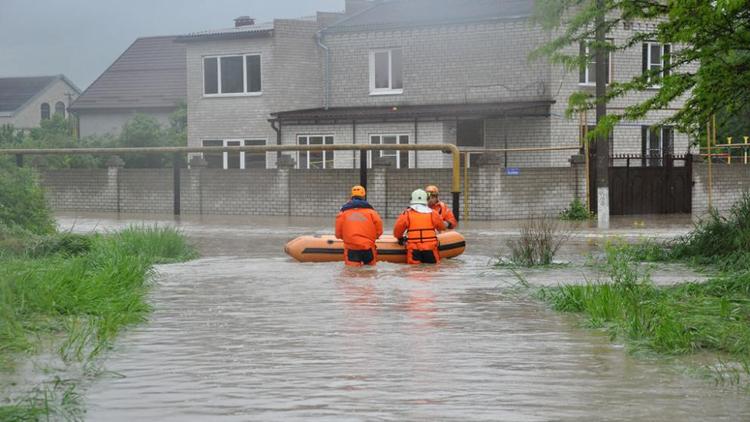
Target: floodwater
(247, 334)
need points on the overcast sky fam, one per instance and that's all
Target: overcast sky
(81, 38)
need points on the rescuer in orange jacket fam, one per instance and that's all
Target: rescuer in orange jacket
(359, 225)
(434, 202)
(421, 225)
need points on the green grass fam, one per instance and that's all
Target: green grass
(83, 289)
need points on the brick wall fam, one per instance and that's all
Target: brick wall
(493, 195)
(730, 182)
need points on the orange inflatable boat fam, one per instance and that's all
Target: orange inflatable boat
(329, 249)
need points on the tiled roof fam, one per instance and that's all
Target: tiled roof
(410, 112)
(403, 13)
(15, 92)
(248, 31)
(151, 73)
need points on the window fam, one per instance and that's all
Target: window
(255, 160)
(60, 108)
(588, 73)
(386, 73)
(470, 133)
(235, 160)
(398, 159)
(656, 142)
(315, 159)
(656, 59)
(232, 75)
(45, 111)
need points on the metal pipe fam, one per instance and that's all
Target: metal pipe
(710, 168)
(729, 158)
(176, 182)
(446, 148)
(529, 149)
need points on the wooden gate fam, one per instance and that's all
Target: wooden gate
(650, 185)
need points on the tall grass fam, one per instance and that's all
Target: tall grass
(85, 288)
(682, 319)
(90, 295)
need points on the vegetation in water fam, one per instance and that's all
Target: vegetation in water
(77, 291)
(540, 239)
(676, 320)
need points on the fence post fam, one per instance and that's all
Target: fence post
(195, 179)
(176, 164)
(114, 164)
(285, 164)
(377, 194)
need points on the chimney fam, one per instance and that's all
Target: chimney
(356, 6)
(243, 21)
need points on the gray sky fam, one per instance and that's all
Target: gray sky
(81, 38)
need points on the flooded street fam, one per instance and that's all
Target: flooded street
(247, 334)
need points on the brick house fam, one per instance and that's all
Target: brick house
(400, 71)
(26, 101)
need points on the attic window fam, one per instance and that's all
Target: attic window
(45, 111)
(232, 75)
(60, 108)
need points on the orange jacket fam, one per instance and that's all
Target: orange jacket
(421, 229)
(358, 226)
(446, 214)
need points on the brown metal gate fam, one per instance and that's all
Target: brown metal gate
(650, 185)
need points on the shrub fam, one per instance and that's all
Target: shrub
(22, 201)
(576, 211)
(541, 238)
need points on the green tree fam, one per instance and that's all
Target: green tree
(709, 63)
(143, 131)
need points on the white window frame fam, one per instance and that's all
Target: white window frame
(244, 92)
(225, 154)
(649, 63)
(390, 90)
(307, 153)
(587, 80)
(380, 153)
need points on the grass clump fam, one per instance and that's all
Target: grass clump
(88, 287)
(576, 211)
(676, 320)
(541, 238)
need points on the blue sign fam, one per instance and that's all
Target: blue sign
(512, 171)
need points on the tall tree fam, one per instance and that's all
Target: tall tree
(709, 63)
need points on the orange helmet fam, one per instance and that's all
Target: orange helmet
(359, 191)
(432, 190)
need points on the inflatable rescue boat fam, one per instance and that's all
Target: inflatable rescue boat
(329, 249)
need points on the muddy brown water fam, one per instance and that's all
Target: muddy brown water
(246, 334)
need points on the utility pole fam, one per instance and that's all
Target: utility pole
(602, 147)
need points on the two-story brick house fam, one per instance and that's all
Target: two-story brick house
(399, 71)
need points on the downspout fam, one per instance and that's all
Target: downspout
(326, 70)
(276, 126)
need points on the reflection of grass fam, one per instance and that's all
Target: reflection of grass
(86, 288)
(678, 320)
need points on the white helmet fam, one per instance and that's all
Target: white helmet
(419, 197)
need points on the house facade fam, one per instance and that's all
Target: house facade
(148, 78)
(401, 72)
(26, 101)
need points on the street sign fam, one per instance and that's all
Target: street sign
(512, 171)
